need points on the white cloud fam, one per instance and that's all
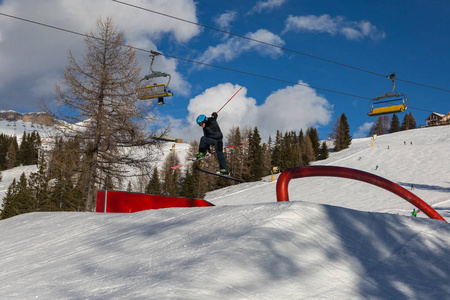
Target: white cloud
(235, 46)
(266, 5)
(352, 30)
(224, 20)
(29, 52)
(291, 108)
(363, 130)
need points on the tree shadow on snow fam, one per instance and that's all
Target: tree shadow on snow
(408, 185)
(399, 257)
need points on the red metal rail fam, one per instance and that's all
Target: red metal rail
(299, 172)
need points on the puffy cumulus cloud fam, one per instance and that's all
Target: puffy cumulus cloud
(235, 46)
(352, 30)
(291, 108)
(267, 5)
(363, 130)
(143, 24)
(31, 56)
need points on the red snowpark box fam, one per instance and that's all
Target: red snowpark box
(127, 202)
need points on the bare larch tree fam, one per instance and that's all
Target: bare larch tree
(96, 104)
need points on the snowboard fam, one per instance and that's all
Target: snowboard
(220, 175)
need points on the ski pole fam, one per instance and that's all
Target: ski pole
(229, 99)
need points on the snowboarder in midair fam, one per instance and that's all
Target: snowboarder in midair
(212, 136)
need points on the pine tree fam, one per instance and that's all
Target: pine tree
(395, 124)
(11, 156)
(68, 189)
(266, 158)
(154, 186)
(300, 148)
(35, 141)
(314, 137)
(188, 186)
(346, 138)
(10, 205)
(64, 195)
(290, 154)
(290, 150)
(4, 145)
(18, 199)
(203, 182)
(341, 134)
(23, 149)
(323, 151)
(38, 185)
(308, 153)
(277, 151)
(381, 125)
(24, 196)
(255, 156)
(409, 122)
(235, 156)
(171, 177)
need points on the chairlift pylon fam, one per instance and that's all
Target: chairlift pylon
(400, 99)
(147, 91)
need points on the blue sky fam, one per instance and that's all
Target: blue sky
(379, 37)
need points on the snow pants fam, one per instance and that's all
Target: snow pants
(204, 145)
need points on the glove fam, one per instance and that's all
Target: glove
(214, 115)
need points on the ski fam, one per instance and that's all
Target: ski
(220, 175)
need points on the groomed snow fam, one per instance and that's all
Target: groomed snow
(335, 239)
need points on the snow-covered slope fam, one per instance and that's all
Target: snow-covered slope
(417, 157)
(17, 128)
(295, 250)
(9, 175)
(336, 239)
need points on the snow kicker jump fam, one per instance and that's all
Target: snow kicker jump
(299, 172)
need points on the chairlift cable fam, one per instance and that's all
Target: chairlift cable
(249, 39)
(188, 60)
(276, 46)
(207, 64)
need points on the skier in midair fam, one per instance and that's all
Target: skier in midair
(212, 136)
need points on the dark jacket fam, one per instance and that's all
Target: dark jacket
(212, 129)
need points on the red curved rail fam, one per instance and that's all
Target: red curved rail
(299, 172)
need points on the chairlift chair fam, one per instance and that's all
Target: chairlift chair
(400, 104)
(151, 91)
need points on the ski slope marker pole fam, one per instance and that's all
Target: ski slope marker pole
(229, 99)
